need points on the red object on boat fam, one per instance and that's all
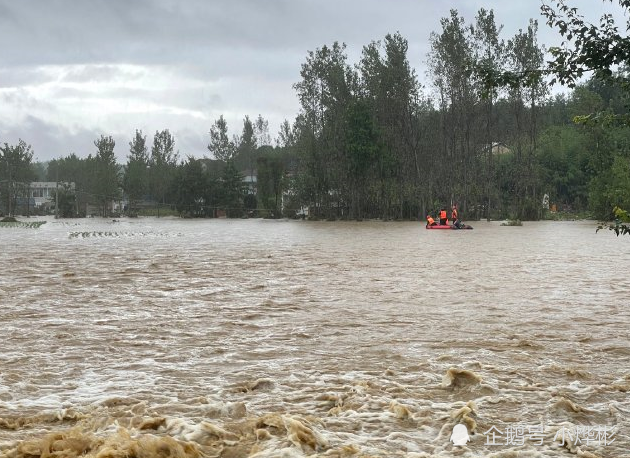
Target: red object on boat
(437, 226)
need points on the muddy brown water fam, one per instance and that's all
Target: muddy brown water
(168, 337)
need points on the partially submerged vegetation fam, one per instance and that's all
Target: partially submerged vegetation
(621, 224)
(9, 221)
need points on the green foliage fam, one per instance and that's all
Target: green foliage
(81, 172)
(10, 222)
(246, 148)
(39, 171)
(107, 174)
(361, 138)
(261, 131)
(220, 145)
(158, 210)
(271, 172)
(136, 178)
(162, 165)
(65, 199)
(15, 172)
(362, 144)
(588, 47)
(357, 133)
(611, 189)
(563, 156)
(232, 191)
(192, 189)
(597, 49)
(287, 136)
(621, 224)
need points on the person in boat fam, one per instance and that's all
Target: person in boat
(455, 218)
(443, 217)
(430, 221)
(454, 214)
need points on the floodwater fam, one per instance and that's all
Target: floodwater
(255, 338)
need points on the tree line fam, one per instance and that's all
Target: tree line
(370, 141)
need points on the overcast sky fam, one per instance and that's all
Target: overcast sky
(71, 70)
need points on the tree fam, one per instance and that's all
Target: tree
(390, 92)
(270, 180)
(287, 135)
(362, 147)
(192, 188)
(261, 131)
(162, 164)
(489, 50)
(462, 128)
(15, 172)
(232, 190)
(107, 173)
(64, 198)
(564, 165)
(611, 189)
(220, 145)
(588, 47)
(328, 85)
(597, 49)
(81, 172)
(621, 224)
(135, 181)
(523, 53)
(246, 147)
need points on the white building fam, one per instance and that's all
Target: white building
(42, 192)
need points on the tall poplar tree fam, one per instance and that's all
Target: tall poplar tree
(221, 147)
(247, 147)
(524, 53)
(135, 181)
(261, 131)
(489, 50)
(162, 164)
(15, 172)
(327, 88)
(451, 51)
(107, 174)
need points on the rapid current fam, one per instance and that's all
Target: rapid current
(259, 338)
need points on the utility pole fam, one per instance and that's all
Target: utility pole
(10, 185)
(57, 192)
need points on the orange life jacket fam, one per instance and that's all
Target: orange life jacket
(443, 214)
(430, 220)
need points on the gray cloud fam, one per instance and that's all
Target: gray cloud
(200, 32)
(50, 141)
(154, 31)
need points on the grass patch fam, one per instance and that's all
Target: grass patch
(512, 222)
(21, 224)
(155, 212)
